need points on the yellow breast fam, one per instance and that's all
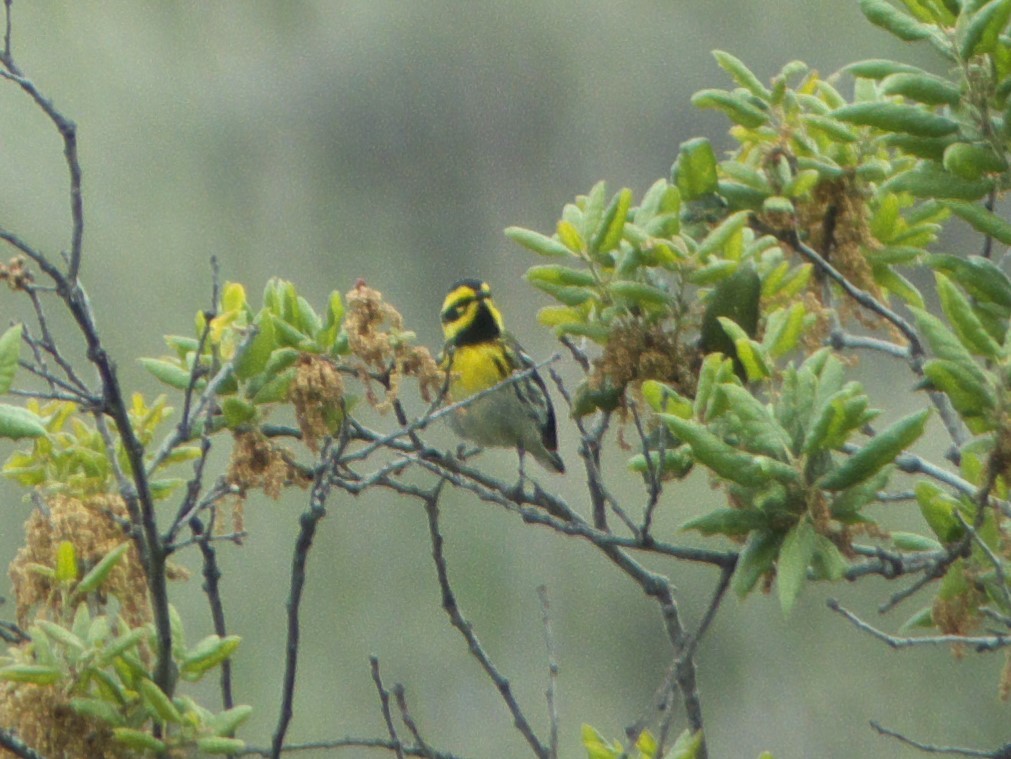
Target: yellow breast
(475, 368)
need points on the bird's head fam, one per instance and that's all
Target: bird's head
(469, 315)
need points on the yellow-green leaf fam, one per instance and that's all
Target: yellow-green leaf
(538, 243)
(878, 453)
(10, 352)
(893, 117)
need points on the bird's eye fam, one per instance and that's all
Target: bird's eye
(451, 314)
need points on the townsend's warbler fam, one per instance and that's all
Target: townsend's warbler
(478, 355)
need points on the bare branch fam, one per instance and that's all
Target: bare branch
(384, 701)
(549, 643)
(980, 643)
(1004, 752)
(456, 617)
(401, 695)
(339, 743)
(300, 557)
(841, 340)
(10, 741)
(212, 574)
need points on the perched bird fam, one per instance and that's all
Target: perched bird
(479, 354)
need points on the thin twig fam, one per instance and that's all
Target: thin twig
(980, 643)
(459, 621)
(10, 741)
(842, 340)
(300, 558)
(384, 701)
(551, 693)
(405, 714)
(339, 743)
(211, 588)
(1004, 752)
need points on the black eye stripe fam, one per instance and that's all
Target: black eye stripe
(455, 311)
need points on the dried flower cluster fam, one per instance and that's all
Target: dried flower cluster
(94, 527)
(16, 273)
(43, 719)
(636, 352)
(257, 462)
(317, 393)
(376, 336)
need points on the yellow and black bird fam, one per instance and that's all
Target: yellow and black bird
(479, 354)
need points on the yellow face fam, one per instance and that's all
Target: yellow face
(469, 315)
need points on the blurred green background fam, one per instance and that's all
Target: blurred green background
(327, 141)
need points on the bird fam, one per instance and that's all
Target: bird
(479, 354)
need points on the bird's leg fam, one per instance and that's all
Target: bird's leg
(516, 492)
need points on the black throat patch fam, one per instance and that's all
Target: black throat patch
(482, 329)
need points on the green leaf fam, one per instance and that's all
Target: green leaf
(254, 358)
(665, 399)
(756, 559)
(640, 293)
(686, 746)
(794, 558)
(741, 74)
(878, 453)
(35, 674)
(893, 117)
(568, 294)
(922, 619)
(208, 653)
(159, 705)
(97, 709)
(847, 503)
(695, 169)
(931, 148)
(597, 747)
(879, 68)
(288, 334)
(10, 353)
(938, 510)
(834, 129)
(910, 541)
(98, 573)
(61, 635)
(982, 220)
(728, 522)
(835, 418)
(119, 645)
(538, 243)
(972, 161)
(983, 279)
(741, 197)
(725, 460)
(922, 87)
(969, 391)
(237, 411)
(66, 563)
(607, 236)
(675, 462)
(735, 106)
(138, 740)
(967, 325)
(227, 722)
(220, 745)
(905, 27)
(828, 562)
(756, 427)
(928, 180)
(784, 329)
(943, 342)
(980, 35)
(168, 372)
